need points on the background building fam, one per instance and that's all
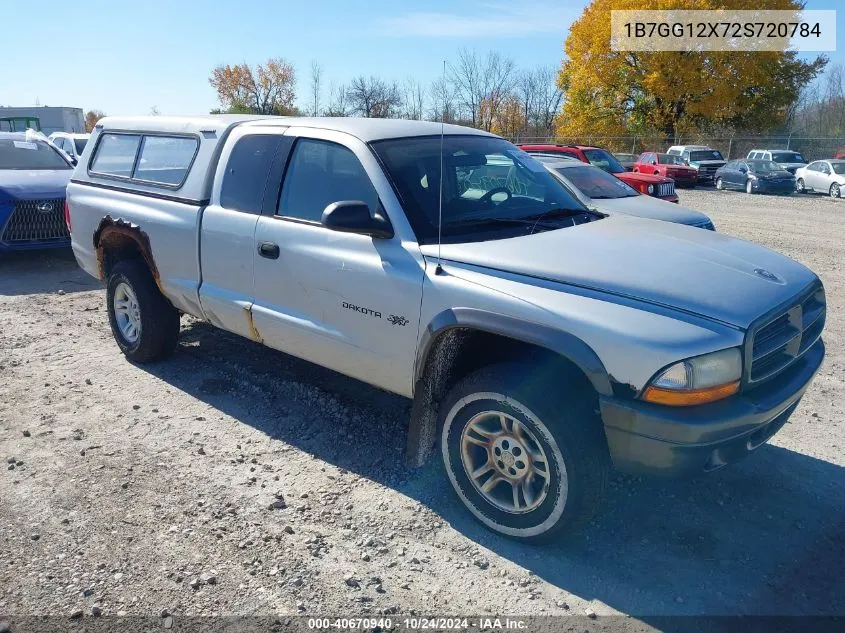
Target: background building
(58, 119)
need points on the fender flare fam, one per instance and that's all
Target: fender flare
(422, 429)
(563, 343)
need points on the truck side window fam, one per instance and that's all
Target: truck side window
(320, 173)
(247, 172)
(115, 155)
(165, 160)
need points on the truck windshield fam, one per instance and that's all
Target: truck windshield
(708, 154)
(670, 159)
(29, 154)
(605, 160)
(787, 157)
(486, 181)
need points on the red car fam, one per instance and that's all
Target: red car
(648, 184)
(667, 165)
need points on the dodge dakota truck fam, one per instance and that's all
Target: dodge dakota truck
(541, 342)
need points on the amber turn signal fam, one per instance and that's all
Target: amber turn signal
(689, 397)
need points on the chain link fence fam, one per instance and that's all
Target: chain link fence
(730, 146)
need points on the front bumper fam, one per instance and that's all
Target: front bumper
(652, 439)
(765, 186)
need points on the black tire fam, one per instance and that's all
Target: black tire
(799, 186)
(159, 320)
(835, 191)
(564, 424)
(720, 184)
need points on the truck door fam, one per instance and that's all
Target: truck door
(346, 301)
(227, 231)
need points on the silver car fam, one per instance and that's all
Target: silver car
(822, 176)
(601, 191)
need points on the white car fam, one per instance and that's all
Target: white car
(823, 176)
(70, 144)
(601, 191)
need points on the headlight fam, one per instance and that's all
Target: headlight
(697, 380)
(650, 189)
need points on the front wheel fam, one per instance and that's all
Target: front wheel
(143, 322)
(799, 186)
(526, 460)
(749, 187)
(835, 191)
(719, 184)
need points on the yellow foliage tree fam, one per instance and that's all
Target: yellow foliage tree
(265, 89)
(506, 120)
(612, 93)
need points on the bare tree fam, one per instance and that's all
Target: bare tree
(442, 104)
(338, 101)
(547, 102)
(413, 99)
(373, 97)
(482, 86)
(316, 86)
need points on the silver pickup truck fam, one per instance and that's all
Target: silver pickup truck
(540, 341)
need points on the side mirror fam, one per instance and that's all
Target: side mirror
(74, 161)
(353, 216)
(743, 169)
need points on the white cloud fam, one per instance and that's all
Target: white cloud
(486, 19)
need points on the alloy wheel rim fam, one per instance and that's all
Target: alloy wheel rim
(834, 191)
(127, 312)
(504, 462)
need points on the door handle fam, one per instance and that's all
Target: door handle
(270, 250)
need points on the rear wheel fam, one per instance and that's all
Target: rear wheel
(835, 191)
(527, 460)
(719, 184)
(143, 322)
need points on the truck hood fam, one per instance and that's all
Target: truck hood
(685, 268)
(650, 207)
(36, 183)
(630, 176)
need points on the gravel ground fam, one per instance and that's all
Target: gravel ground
(233, 479)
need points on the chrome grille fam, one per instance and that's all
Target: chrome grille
(36, 221)
(783, 339)
(664, 189)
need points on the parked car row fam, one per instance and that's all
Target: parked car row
(648, 184)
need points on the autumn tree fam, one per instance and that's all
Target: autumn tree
(268, 88)
(91, 118)
(617, 92)
(507, 119)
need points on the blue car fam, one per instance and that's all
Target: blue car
(33, 179)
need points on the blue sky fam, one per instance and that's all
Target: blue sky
(126, 57)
